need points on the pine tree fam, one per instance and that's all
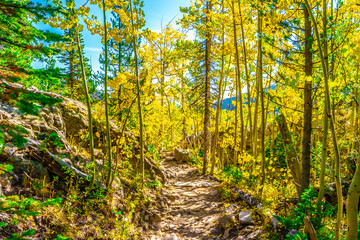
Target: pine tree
(21, 43)
(71, 60)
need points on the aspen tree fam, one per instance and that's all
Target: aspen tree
(306, 142)
(247, 78)
(108, 138)
(142, 160)
(323, 58)
(352, 202)
(219, 105)
(88, 103)
(208, 44)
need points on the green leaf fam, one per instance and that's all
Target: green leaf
(27, 233)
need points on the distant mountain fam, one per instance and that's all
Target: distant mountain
(228, 102)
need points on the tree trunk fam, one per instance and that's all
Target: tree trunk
(239, 100)
(91, 136)
(292, 158)
(207, 84)
(263, 123)
(323, 58)
(141, 142)
(219, 106)
(352, 205)
(306, 143)
(108, 138)
(247, 78)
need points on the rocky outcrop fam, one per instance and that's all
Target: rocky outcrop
(51, 130)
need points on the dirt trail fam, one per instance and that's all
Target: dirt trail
(196, 208)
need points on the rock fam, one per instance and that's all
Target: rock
(206, 184)
(245, 217)
(67, 118)
(172, 197)
(291, 232)
(254, 235)
(226, 234)
(182, 155)
(171, 236)
(34, 169)
(163, 205)
(5, 183)
(227, 222)
(155, 218)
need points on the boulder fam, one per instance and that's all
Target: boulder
(182, 155)
(245, 217)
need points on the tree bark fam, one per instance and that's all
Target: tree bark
(247, 78)
(292, 158)
(108, 138)
(141, 142)
(219, 105)
(91, 136)
(325, 68)
(352, 205)
(306, 142)
(207, 83)
(263, 123)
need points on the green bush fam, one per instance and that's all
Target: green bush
(233, 173)
(307, 207)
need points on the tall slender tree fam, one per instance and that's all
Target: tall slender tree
(142, 160)
(208, 44)
(306, 142)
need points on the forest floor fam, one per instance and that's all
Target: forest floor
(196, 210)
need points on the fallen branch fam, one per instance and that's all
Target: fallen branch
(58, 166)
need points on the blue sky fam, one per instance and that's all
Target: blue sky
(156, 12)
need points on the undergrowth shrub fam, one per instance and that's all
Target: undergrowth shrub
(307, 207)
(233, 173)
(21, 209)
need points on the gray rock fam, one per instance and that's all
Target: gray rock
(245, 217)
(171, 236)
(293, 232)
(254, 235)
(206, 184)
(1, 191)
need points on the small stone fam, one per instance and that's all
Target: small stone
(163, 205)
(173, 197)
(155, 218)
(171, 236)
(226, 234)
(227, 221)
(245, 217)
(5, 182)
(1, 191)
(254, 235)
(206, 184)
